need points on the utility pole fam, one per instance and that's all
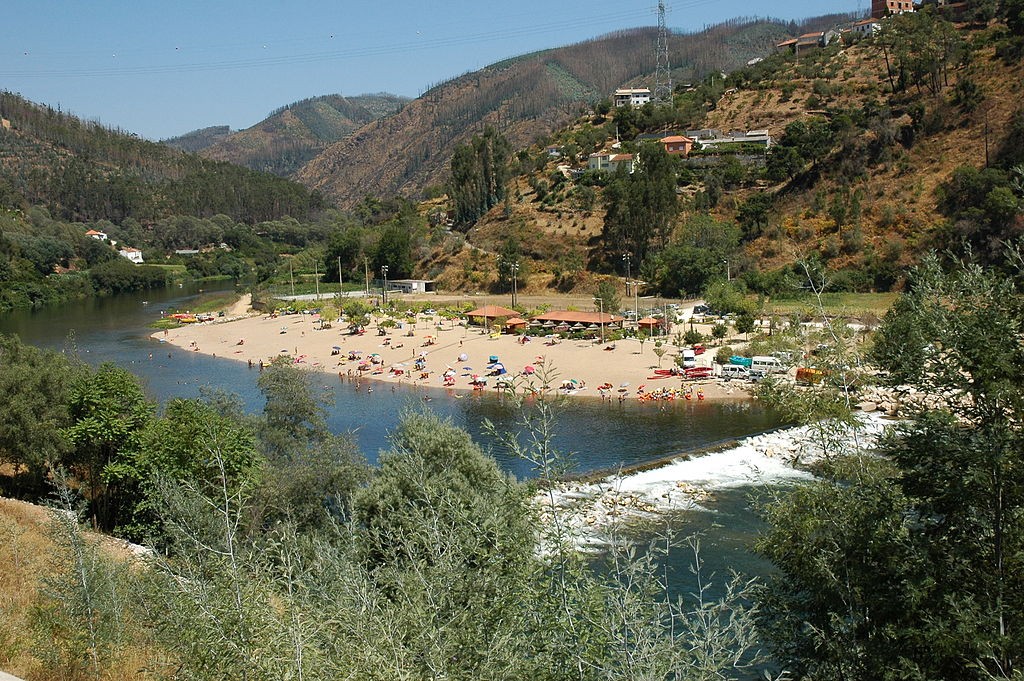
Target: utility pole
(366, 271)
(600, 302)
(316, 279)
(384, 286)
(341, 291)
(291, 277)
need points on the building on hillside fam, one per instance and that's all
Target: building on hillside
(635, 97)
(808, 41)
(703, 134)
(677, 145)
(758, 137)
(411, 285)
(866, 27)
(610, 162)
(133, 254)
(883, 8)
(96, 234)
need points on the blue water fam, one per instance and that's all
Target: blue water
(599, 435)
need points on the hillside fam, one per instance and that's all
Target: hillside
(292, 135)
(526, 98)
(885, 169)
(83, 171)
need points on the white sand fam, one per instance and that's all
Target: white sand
(628, 367)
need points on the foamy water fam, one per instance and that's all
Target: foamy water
(593, 512)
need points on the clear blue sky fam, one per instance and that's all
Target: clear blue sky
(161, 68)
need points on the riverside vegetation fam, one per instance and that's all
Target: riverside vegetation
(278, 553)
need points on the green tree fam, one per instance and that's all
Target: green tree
(641, 208)
(448, 536)
(606, 297)
(916, 575)
(36, 385)
(108, 412)
(480, 172)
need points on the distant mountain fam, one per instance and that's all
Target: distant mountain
(292, 135)
(82, 171)
(526, 97)
(197, 140)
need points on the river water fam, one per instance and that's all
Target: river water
(597, 434)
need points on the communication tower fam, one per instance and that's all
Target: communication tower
(662, 70)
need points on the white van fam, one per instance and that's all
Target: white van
(731, 371)
(763, 365)
(689, 358)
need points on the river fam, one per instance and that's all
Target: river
(598, 435)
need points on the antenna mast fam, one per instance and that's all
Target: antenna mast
(662, 70)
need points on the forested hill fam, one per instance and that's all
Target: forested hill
(293, 134)
(82, 171)
(525, 98)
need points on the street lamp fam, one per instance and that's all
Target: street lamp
(515, 273)
(600, 302)
(728, 272)
(625, 259)
(384, 287)
(513, 268)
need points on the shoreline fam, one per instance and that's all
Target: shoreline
(451, 356)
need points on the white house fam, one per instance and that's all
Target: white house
(96, 234)
(633, 96)
(609, 161)
(133, 254)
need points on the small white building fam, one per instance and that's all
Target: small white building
(96, 234)
(633, 96)
(411, 285)
(133, 254)
(610, 162)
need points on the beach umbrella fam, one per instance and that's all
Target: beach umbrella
(335, 347)
(592, 327)
(577, 325)
(498, 366)
(529, 369)
(549, 323)
(624, 385)
(493, 358)
(463, 357)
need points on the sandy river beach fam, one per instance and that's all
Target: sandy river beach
(626, 369)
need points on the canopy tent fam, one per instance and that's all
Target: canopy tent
(489, 313)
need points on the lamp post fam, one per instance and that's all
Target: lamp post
(625, 259)
(384, 286)
(728, 271)
(513, 268)
(515, 273)
(600, 302)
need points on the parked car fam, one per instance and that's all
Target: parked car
(731, 371)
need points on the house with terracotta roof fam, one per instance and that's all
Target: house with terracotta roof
(133, 254)
(883, 8)
(96, 234)
(866, 27)
(677, 145)
(610, 161)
